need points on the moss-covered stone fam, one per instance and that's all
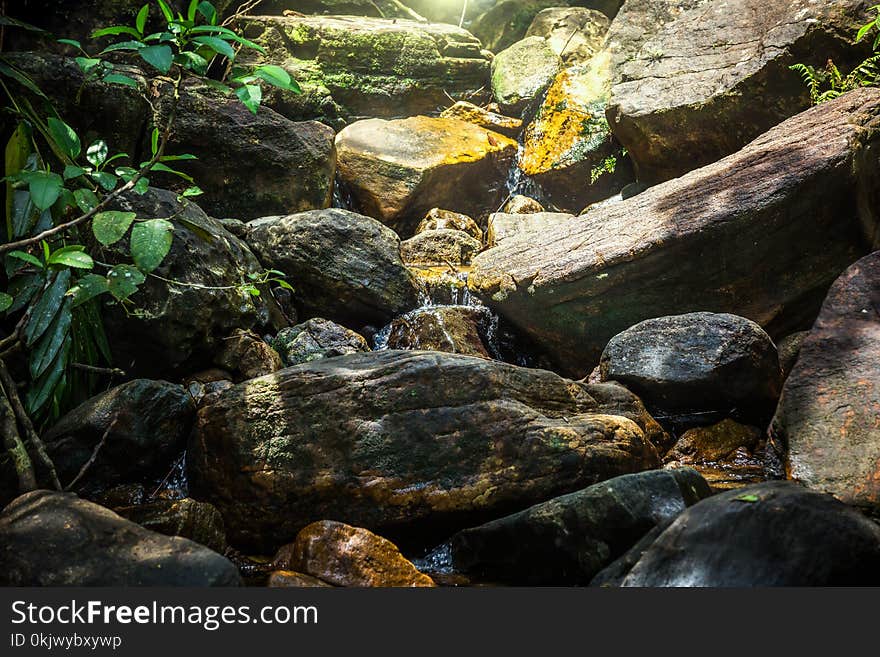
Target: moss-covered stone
(522, 72)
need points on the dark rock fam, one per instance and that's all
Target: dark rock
(443, 246)
(197, 521)
(568, 539)
(697, 363)
(771, 534)
(343, 555)
(452, 329)
(827, 420)
(248, 354)
(146, 424)
(180, 325)
(57, 539)
(344, 266)
(760, 234)
(284, 579)
(315, 339)
(407, 444)
(717, 76)
(789, 349)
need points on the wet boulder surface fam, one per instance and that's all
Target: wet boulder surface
(57, 539)
(771, 534)
(408, 444)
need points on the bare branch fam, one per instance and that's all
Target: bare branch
(24, 467)
(88, 464)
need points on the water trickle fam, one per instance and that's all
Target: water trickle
(519, 183)
(342, 197)
(437, 561)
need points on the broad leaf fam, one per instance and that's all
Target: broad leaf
(64, 136)
(50, 344)
(44, 187)
(141, 20)
(123, 281)
(250, 95)
(207, 10)
(71, 256)
(191, 11)
(116, 78)
(110, 227)
(116, 29)
(106, 180)
(41, 392)
(87, 64)
(216, 44)
(71, 172)
(124, 45)
(5, 302)
(87, 288)
(86, 199)
(166, 11)
(46, 307)
(26, 257)
(23, 289)
(71, 42)
(277, 76)
(97, 153)
(150, 243)
(159, 57)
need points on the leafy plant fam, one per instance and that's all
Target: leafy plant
(58, 191)
(829, 83)
(608, 165)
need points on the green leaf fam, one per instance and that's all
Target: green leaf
(863, 31)
(142, 185)
(71, 172)
(207, 10)
(86, 64)
(23, 289)
(116, 78)
(141, 21)
(166, 11)
(114, 30)
(44, 187)
(748, 498)
(106, 180)
(110, 227)
(97, 153)
(86, 199)
(154, 141)
(18, 148)
(250, 95)
(192, 61)
(123, 45)
(176, 158)
(64, 136)
(191, 191)
(159, 57)
(14, 22)
(150, 243)
(50, 344)
(5, 302)
(191, 11)
(277, 76)
(71, 42)
(44, 388)
(87, 288)
(71, 256)
(216, 44)
(44, 310)
(158, 166)
(219, 86)
(26, 257)
(22, 79)
(123, 281)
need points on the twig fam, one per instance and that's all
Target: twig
(110, 371)
(242, 10)
(24, 422)
(167, 477)
(88, 464)
(463, 12)
(24, 467)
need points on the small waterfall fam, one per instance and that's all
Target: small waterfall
(342, 197)
(519, 183)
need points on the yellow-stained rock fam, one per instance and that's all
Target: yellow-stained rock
(465, 111)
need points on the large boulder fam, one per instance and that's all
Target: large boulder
(57, 539)
(343, 555)
(827, 420)
(344, 266)
(134, 431)
(697, 363)
(411, 445)
(568, 539)
(470, 113)
(396, 171)
(197, 521)
(771, 534)
(522, 72)
(248, 165)
(503, 226)
(573, 33)
(717, 76)
(182, 320)
(315, 339)
(761, 234)
(355, 67)
(442, 246)
(453, 329)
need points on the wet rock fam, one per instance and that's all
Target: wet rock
(444, 286)
(437, 218)
(696, 363)
(522, 72)
(452, 329)
(502, 226)
(179, 326)
(370, 439)
(57, 539)
(235, 226)
(573, 33)
(705, 85)
(760, 234)
(771, 534)
(827, 420)
(439, 247)
(568, 539)
(344, 266)
(248, 354)
(789, 349)
(568, 149)
(315, 339)
(470, 113)
(519, 204)
(727, 454)
(250, 165)
(343, 555)
(354, 67)
(197, 521)
(142, 426)
(398, 170)
(283, 579)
